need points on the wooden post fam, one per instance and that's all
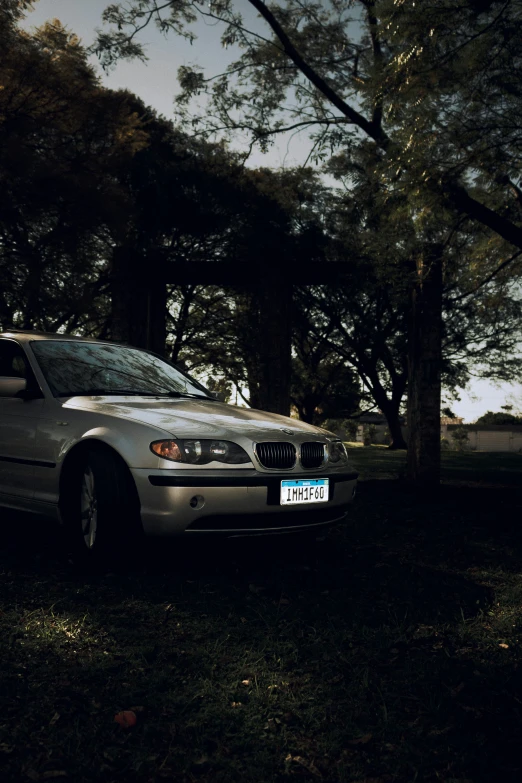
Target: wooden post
(274, 299)
(156, 329)
(128, 298)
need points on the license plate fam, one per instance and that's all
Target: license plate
(298, 491)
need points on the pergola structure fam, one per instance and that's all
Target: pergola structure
(139, 303)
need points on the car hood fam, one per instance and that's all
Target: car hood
(188, 418)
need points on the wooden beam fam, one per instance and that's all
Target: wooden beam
(230, 273)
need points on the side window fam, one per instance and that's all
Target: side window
(13, 363)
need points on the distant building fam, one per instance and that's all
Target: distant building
(379, 427)
(485, 437)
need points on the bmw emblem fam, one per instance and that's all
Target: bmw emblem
(287, 432)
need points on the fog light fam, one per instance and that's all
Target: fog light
(196, 502)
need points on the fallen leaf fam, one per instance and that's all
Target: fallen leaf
(55, 717)
(361, 740)
(245, 682)
(236, 704)
(308, 765)
(457, 689)
(373, 780)
(126, 719)
(505, 646)
(439, 732)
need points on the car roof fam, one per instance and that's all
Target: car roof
(26, 335)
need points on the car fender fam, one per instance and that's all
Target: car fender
(133, 449)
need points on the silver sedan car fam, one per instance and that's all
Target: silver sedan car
(115, 442)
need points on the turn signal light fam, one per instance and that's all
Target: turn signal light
(200, 452)
(167, 449)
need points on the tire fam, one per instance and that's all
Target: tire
(101, 511)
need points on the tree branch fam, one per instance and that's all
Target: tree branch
(489, 278)
(357, 119)
(463, 202)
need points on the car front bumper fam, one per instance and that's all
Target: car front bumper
(234, 502)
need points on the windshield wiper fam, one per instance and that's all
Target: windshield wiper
(101, 392)
(188, 395)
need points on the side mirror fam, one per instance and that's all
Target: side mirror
(12, 387)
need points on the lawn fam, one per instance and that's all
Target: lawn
(471, 467)
(387, 652)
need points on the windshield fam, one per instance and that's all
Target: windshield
(76, 368)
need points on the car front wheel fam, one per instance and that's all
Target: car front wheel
(102, 510)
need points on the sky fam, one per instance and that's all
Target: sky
(156, 80)
(156, 83)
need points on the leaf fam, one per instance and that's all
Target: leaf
(55, 717)
(361, 740)
(126, 719)
(308, 765)
(505, 646)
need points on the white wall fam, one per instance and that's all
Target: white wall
(489, 440)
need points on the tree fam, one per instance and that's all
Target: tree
(364, 65)
(366, 318)
(323, 384)
(346, 86)
(61, 138)
(499, 418)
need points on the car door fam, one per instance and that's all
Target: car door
(18, 425)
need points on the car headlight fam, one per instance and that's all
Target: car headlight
(200, 452)
(337, 452)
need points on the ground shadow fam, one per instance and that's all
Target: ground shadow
(360, 626)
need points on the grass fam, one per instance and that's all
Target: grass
(470, 467)
(390, 651)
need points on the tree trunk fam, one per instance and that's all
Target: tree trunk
(394, 426)
(424, 368)
(307, 409)
(274, 298)
(390, 407)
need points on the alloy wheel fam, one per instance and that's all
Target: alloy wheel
(88, 508)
